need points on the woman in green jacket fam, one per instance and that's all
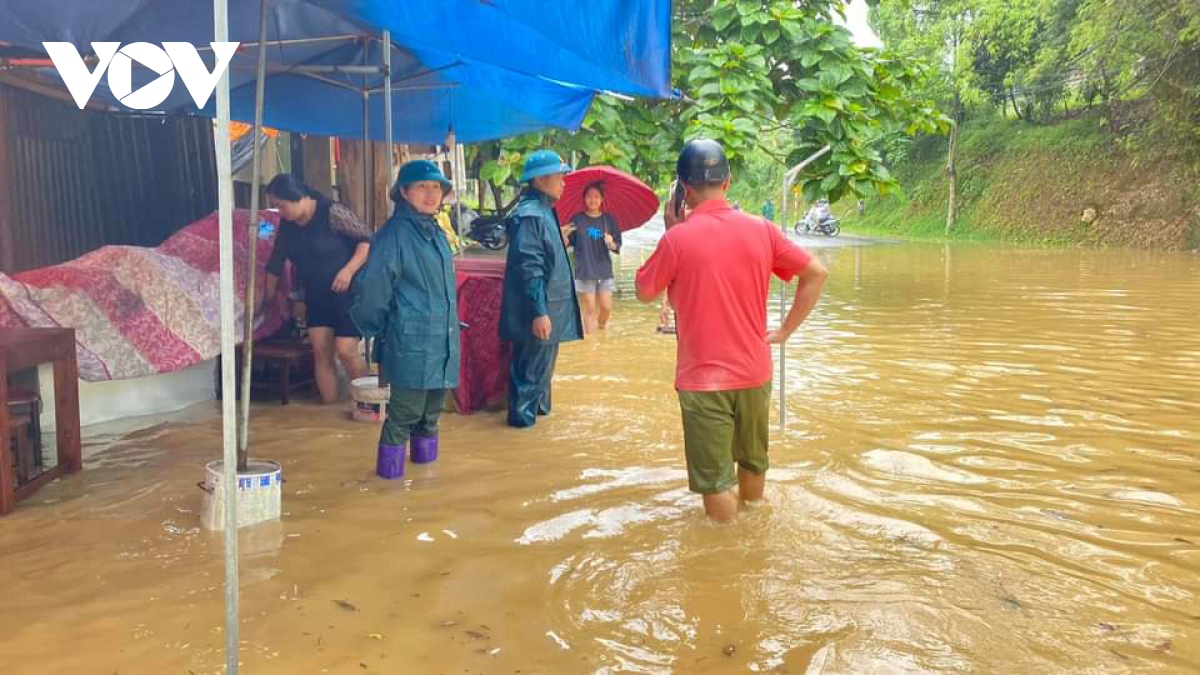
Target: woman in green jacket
(406, 299)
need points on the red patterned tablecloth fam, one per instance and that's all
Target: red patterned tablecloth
(483, 376)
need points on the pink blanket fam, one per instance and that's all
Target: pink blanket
(142, 311)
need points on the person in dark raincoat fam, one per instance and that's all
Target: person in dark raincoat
(406, 299)
(539, 310)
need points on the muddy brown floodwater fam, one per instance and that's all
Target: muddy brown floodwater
(991, 464)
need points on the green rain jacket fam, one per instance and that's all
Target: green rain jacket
(405, 296)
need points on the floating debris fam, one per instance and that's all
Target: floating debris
(563, 644)
(348, 606)
(729, 650)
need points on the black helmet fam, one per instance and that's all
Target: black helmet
(702, 162)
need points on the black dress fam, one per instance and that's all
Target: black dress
(319, 250)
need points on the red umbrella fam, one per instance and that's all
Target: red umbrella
(626, 198)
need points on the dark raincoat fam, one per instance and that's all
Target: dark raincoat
(405, 296)
(538, 279)
(537, 282)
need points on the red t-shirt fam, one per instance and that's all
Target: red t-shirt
(717, 267)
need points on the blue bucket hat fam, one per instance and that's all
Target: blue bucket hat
(543, 163)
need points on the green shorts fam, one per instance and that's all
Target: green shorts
(720, 428)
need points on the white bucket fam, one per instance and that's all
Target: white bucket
(369, 399)
(260, 494)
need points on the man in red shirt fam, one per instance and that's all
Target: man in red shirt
(716, 264)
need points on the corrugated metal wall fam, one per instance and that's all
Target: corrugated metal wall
(77, 180)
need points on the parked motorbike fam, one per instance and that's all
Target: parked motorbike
(489, 231)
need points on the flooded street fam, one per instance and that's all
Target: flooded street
(990, 464)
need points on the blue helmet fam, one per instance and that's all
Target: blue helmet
(543, 163)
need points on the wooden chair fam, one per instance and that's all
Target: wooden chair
(280, 367)
(25, 434)
(24, 449)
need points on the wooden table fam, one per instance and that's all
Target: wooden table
(22, 348)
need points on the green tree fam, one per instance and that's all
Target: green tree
(1126, 49)
(753, 70)
(939, 30)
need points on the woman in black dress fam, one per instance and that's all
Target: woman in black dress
(327, 244)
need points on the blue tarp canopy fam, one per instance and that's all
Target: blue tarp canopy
(486, 69)
(615, 45)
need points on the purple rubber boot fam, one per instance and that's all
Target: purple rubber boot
(424, 449)
(389, 463)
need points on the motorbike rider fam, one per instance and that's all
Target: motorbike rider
(819, 212)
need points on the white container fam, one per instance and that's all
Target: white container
(259, 494)
(369, 400)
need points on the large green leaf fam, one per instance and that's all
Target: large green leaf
(723, 17)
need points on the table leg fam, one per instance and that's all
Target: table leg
(66, 411)
(8, 496)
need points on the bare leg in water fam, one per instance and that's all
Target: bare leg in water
(325, 349)
(605, 300)
(587, 307)
(723, 506)
(321, 338)
(349, 353)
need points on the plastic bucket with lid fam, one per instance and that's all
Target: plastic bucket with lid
(369, 400)
(259, 494)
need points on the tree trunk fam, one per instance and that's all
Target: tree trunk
(951, 168)
(952, 176)
(1016, 109)
(497, 195)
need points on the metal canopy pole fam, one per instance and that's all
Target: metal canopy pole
(228, 401)
(460, 155)
(788, 179)
(387, 108)
(252, 242)
(298, 41)
(366, 157)
(306, 69)
(366, 136)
